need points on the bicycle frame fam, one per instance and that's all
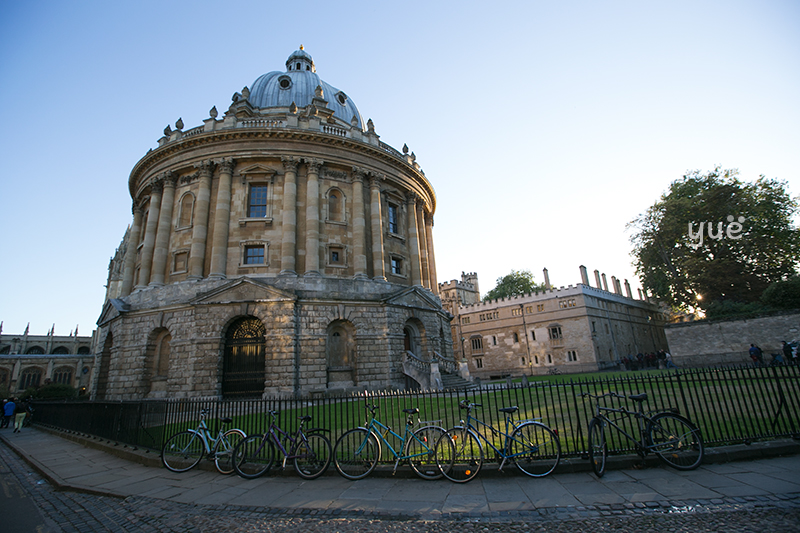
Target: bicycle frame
(641, 417)
(504, 435)
(383, 431)
(299, 436)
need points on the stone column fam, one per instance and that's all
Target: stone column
(312, 218)
(156, 186)
(423, 245)
(130, 253)
(222, 220)
(197, 253)
(289, 217)
(413, 240)
(359, 225)
(431, 255)
(376, 223)
(164, 230)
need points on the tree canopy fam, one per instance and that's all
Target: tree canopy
(712, 238)
(516, 283)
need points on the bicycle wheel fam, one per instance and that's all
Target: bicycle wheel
(223, 450)
(182, 451)
(535, 449)
(598, 449)
(253, 456)
(676, 441)
(356, 453)
(459, 455)
(312, 456)
(420, 449)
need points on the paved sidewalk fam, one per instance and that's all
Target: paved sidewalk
(571, 492)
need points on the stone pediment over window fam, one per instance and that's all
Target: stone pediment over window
(244, 290)
(111, 310)
(256, 171)
(415, 297)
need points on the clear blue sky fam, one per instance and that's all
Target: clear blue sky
(544, 127)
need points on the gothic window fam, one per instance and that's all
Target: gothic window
(185, 216)
(61, 350)
(83, 350)
(477, 344)
(35, 350)
(30, 377)
(257, 204)
(244, 361)
(63, 375)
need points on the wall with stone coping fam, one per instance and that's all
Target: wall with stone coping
(726, 342)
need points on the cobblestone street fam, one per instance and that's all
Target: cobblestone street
(70, 511)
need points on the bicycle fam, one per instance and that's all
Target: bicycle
(357, 451)
(674, 439)
(531, 445)
(184, 450)
(309, 450)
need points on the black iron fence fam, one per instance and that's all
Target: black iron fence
(730, 405)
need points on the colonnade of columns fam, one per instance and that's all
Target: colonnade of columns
(157, 227)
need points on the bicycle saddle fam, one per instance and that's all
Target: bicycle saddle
(509, 410)
(638, 397)
(411, 411)
(304, 418)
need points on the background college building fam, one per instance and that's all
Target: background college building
(570, 329)
(279, 249)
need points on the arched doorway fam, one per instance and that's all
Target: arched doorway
(244, 363)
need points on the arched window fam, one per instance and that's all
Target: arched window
(83, 350)
(335, 206)
(187, 205)
(161, 356)
(244, 362)
(30, 377)
(61, 350)
(35, 350)
(63, 375)
(340, 352)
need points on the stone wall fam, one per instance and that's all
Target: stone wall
(726, 342)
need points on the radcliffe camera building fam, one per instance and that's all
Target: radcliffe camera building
(281, 248)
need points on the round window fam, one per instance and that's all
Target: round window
(341, 97)
(285, 82)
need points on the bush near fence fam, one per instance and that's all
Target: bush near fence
(729, 405)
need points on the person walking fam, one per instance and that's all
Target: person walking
(756, 355)
(8, 412)
(787, 352)
(20, 412)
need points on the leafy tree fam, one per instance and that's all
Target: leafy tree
(516, 283)
(783, 294)
(713, 238)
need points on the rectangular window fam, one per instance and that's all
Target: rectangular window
(336, 256)
(539, 308)
(554, 332)
(397, 266)
(572, 356)
(257, 208)
(465, 320)
(533, 335)
(393, 219)
(516, 312)
(254, 255)
(478, 363)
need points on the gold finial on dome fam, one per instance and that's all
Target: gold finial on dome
(301, 47)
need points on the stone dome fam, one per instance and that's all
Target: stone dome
(298, 85)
